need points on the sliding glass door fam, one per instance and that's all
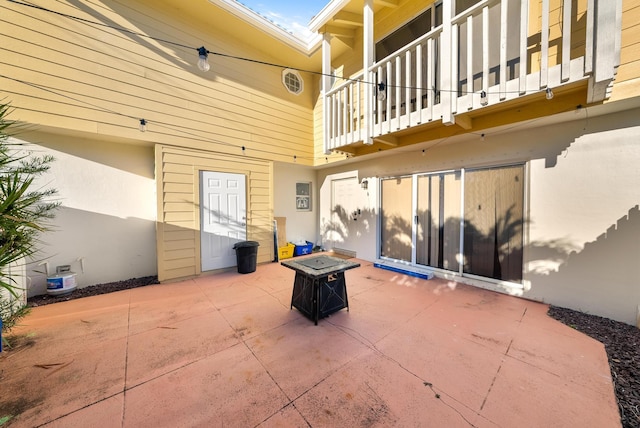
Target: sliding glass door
(438, 220)
(423, 221)
(396, 218)
(493, 227)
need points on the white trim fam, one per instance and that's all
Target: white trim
(326, 14)
(507, 287)
(263, 24)
(295, 73)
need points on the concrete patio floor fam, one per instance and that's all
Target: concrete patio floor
(225, 350)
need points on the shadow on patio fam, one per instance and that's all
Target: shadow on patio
(225, 350)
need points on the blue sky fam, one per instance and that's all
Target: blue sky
(293, 15)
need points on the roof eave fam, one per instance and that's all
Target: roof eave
(263, 24)
(326, 14)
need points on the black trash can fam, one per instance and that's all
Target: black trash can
(246, 255)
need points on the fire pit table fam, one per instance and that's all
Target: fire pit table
(319, 288)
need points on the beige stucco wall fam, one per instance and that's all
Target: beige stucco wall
(301, 225)
(106, 222)
(339, 229)
(583, 231)
(17, 277)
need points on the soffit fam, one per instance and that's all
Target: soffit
(343, 20)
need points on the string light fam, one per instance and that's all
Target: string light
(206, 52)
(202, 50)
(483, 98)
(203, 61)
(549, 94)
(222, 143)
(381, 90)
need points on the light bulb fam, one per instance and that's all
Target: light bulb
(143, 125)
(483, 98)
(382, 91)
(549, 94)
(203, 62)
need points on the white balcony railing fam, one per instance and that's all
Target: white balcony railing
(483, 56)
(345, 104)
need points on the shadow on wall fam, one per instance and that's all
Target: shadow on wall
(494, 252)
(109, 248)
(163, 44)
(228, 228)
(345, 226)
(603, 278)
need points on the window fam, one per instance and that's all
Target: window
(303, 196)
(406, 34)
(292, 80)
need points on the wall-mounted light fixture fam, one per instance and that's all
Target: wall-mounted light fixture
(143, 125)
(364, 184)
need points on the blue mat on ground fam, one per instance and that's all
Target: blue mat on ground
(404, 271)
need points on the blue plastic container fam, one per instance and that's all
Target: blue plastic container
(303, 249)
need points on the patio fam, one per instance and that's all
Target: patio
(225, 350)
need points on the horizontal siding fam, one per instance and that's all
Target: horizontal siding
(180, 254)
(183, 244)
(179, 197)
(180, 235)
(178, 214)
(100, 80)
(629, 70)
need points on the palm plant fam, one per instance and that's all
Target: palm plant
(24, 211)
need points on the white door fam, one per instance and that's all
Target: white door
(345, 203)
(223, 218)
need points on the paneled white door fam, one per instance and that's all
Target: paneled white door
(345, 203)
(223, 218)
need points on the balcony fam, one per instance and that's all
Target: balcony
(490, 54)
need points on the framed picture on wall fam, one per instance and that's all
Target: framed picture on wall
(303, 196)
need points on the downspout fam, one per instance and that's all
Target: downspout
(368, 60)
